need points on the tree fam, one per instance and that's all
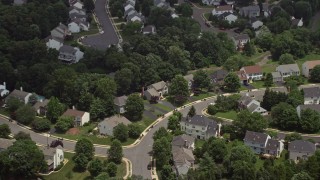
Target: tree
(292, 137)
(95, 167)
(115, 153)
(173, 123)
(286, 59)
(310, 121)
(81, 161)
(161, 132)
(284, 116)
(54, 109)
(84, 146)
(162, 151)
(207, 168)
(88, 5)
(172, 2)
(98, 110)
(134, 107)
(112, 169)
(134, 130)
(315, 74)
(303, 10)
(268, 80)
(186, 10)
(201, 79)
(217, 149)
(120, 132)
(132, 28)
(272, 98)
(295, 97)
(64, 124)
(41, 124)
(167, 173)
(25, 114)
(192, 111)
(232, 82)
(235, 62)
(243, 170)
(242, 153)
(14, 104)
(102, 176)
(313, 167)
(179, 89)
(302, 176)
(23, 158)
(22, 136)
(249, 121)
(4, 131)
(124, 80)
(249, 49)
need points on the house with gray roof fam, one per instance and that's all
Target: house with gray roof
(53, 156)
(287, 70)
(218, 76)
(211, 2)
(149, 29)
(183, 160)
(266, 9)
(19, 94)
(76, 10)
(183, 141)
(19, 2)
(151, 94)
(75, 15)
(276, 77)
(3, 89)
(311, 95)
(274, 147)
(61, 31)
(41, 107)
(301, 150)
(135, 17)
(5, 143)
(252, 105)
(108, 124)
(119, 103)
(240, 40)
(78, 24)
(315, 107)
(200, 127)
(161, 87)
(250, 11)
(69, 54)
(54, 42)
(161, 4)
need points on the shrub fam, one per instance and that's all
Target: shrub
(41, 124)
(212, 109)
(59, 167)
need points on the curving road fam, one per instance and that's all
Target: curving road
(109, 37)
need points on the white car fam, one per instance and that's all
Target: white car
(101, 32)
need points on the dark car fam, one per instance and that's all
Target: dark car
(56, 143)
(149, 166)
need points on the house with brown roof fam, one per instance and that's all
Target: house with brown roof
(308, 66)
(242, 77)
(19, 94)
(119, 103)
(222, 9)
(80, 117)
(301, 150)
(161, 87)
(41, 107)
(108, 124)
(253, 72)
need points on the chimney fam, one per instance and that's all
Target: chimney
(185, 143)
(21, 89)
(4, 84)
(73, 107)
(219, 129)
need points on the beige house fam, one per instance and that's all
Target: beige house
(308, 66)
(80, 117)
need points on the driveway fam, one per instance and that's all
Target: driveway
(109, 37)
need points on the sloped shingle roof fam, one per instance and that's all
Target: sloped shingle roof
(302, 146)
(256, 137)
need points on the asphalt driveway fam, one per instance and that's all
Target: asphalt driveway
(109, 37)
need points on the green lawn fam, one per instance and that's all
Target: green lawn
(68, 168)
(258, 84)
(4, 111)
(258, 56)
(207, 15)
(145, 122)
(199, 143)
(162, 106)
(202, 96)
(228, 115)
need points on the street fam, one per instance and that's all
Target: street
(109, 37)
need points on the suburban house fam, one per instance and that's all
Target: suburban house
(76, 3)
(183, 160)
(41, 107)
(253, 72)
(69, 54)
(184, 141)
(255, 23)
(252, 105)
(76, 10)
(266, 10)
(19, 94)
(250, 11)
(135, 16)
(77, 25)
(315, 107)
(261, 143)
(240, 40)
(61, 31)
(200, 127)
(230, 17)
(211, 2)
(3, 90)
(128, 5)
(161, 87)
(106, 126)
(119, 103)
(276, 76)
(189, 79)
(75, 15)
(54, 42)
(149, 29)
(311, 95)
(161, 4)
(53, 156)
(80, 117)
(19, 2)
(152, 94)
(287, 70)
(218, 76)
(301, 150)
(129, 11)
(242, 77)
(5, 143)
(296, 22)
(308, 66)
(222, 9)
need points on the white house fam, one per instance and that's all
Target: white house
(311, 95)
(301, 150)
(19, 94)
(227, 16)
(80, 117)
(161, 87)
(69, 54)
(211, 2)
(3, 90)
(128, 6)
(77, 25)
(54, 42)
(76, 3)
(200, 127)
(308, 66)
(222, 9)
(252, 105)
(108, 124)
(287, 70)
(253, 72)
(61, 31)
(53, 156)
(250, 11)
(240, 40)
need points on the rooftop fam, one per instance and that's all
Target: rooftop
(272, 144)
(180, 140)
(288, 68)
(18, 94)
(120, 101)
(188, 77)
(5, 143)
(67, 49)
(315, 107)
(224, 8)
(302, 146)
(73, 113)
(311, 64)
(256, 137)
(113, 121)
(252, 69)
(311, 92)
(158, 86)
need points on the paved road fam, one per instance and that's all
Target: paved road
(109, 37)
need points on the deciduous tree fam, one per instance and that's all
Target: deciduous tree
(232, 82)
(115, 153)
(64, 123)
(134, 107)
(310, 121)
(315, 74)
(284, 116)
(4, 131)
(179, 89)
(120, 132)
(201, 79)
(268, 81)
(112, 169)
(54, 109)
(134, 130)
(95, 167)
(25, 114)
(84, 146)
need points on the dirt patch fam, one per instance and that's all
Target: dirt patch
(73, 131)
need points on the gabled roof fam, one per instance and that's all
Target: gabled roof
(180, 140)
(80, 21)
(288, 68)
(39, 104)
(219, 75)
(311, 92)
(113, 121)
(54, 38)
(224, 8)
(256, 137)
(120, 101)
(73, 113)
(276, 75)
(182, 156)
(49, 151)
(188, 77)
(302, 146)
(67, 49)
(158, 86)
(18, 94)
(315, 107)
(199, 120)
(242, 75)
(252, 107)
(311, 64)
(153, 92)
(226, 14)
(238, 37)
(76, 16)
(273, 144)
(149, 29)
(245, 100)
(252, 69)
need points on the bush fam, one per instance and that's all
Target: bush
(134, 130)
(41, 124)
(212, 109)
(63, 124)
(59, 167)
(86, 124)
(25, 114)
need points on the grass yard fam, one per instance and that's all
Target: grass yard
(207, 15)
(67, 172)
(199, 143)
(162, 106)
(202, 96)
(258, 56)
(4, 111)
(145, 122)
(228, 115)
(258, 84)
